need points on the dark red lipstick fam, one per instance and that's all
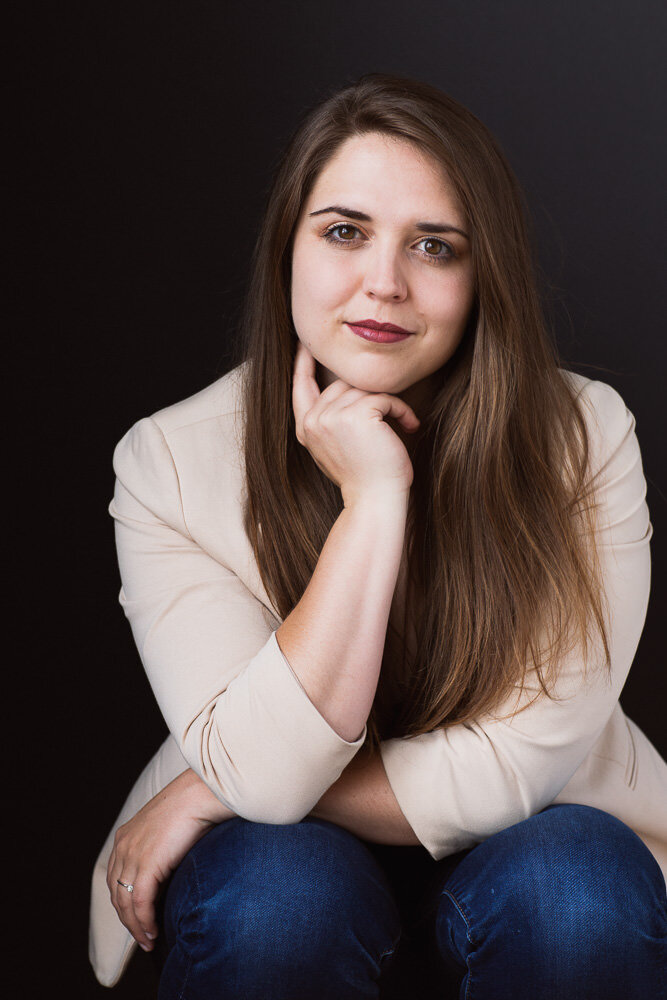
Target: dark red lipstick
(380, 333)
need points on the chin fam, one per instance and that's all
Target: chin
(366, 381)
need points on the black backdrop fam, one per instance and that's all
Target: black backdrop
(149, 132)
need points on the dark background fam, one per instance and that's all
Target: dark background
(148, 134)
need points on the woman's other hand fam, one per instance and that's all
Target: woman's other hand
(150, 846)
(344, 430)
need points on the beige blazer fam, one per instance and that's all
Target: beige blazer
(238, 715)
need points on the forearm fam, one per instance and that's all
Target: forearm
(334, 638)
(362, 801)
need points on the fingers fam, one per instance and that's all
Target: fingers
(306, 394)
(143, 898)
(305, 390)
(308, 399)
(392, 406)
(135, 909)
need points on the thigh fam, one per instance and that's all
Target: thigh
(567, 902)
(269, 911)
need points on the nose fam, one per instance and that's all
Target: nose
(383, 275)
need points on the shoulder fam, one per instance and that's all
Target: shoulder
(197, 414)
(599, 398)
(221, 398)
(196, 438)
(609, 422)
(615, 465)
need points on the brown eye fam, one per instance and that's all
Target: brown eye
(340, 228)
(437, 258)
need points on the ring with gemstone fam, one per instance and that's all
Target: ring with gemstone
(126, 885)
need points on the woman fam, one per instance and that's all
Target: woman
(387, 587)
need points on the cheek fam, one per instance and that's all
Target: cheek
(319, 284)
(451, 303)
(303, 288)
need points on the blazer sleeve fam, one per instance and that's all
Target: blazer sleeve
(236, 709)
(459, 785)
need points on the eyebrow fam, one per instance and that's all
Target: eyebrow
(423, 227)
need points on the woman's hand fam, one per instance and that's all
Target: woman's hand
(151, 845)
(344, 431)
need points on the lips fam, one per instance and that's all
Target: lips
(381, 336)
(371, 324)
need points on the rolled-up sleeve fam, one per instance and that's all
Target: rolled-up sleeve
(459, 785)
(235, 707)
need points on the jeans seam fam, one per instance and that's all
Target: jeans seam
(459, 907)
(393, 948)
(181, 995)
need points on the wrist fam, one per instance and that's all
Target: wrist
(379, 502)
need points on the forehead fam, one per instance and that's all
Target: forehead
(386, 172)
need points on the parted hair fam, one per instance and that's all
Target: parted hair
(504, 577)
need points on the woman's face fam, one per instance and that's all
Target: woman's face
(383, 267)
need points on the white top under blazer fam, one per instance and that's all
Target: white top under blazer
(237, 714)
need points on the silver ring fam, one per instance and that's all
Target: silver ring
(126, 885)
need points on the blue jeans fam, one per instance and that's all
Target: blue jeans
(566, 904)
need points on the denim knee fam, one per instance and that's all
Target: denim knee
(256, 909)
(601, 864)
(584, 861)
(568, 897)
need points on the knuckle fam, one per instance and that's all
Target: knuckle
(143, 914)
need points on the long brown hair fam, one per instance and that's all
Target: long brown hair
(504, 574)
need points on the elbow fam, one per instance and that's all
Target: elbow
(245, 784)
(261, 805)
(277, 813)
